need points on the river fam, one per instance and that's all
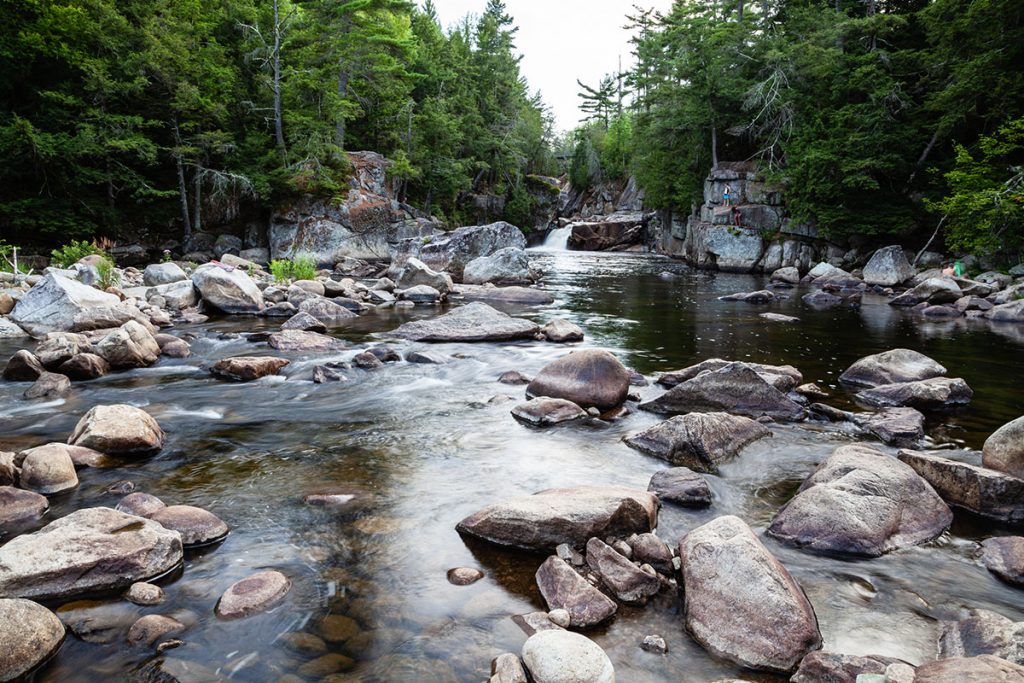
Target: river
(419, 447)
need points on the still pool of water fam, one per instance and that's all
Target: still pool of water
(420, 447)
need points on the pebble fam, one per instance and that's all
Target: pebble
(142, 593)
(464, 576)
(654, 644)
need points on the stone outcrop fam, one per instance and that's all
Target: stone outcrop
(736, 388)
(452, 251)
(982, 491)
(508, 266)
(740, 603)
(590, 378)
(700, 441)
(861, 502)
(571, 515)
(474, 322)
(888, 267)
(95, 549)
(54, 302)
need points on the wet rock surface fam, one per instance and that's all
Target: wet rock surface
(700, 441)
(562, 587)
(1004, 450)
(248, 368)
(892, 367)
(1004, 557)
(253, 594)
(590, 378)
(474, 322)
(197, 527)
(566, 657)
(682, 486)
(939, 393)
(544, 412)
(118, 430)
(736, 388)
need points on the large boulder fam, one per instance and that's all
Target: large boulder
(129, 346)
(23, 366)
(248, 368)
(736, 388)
(936, 290)
(888, 267)
(571, 515)
(48, 469)
(740, 603)
(562, 587)
(108, 317)
(590, 378)
(52, 304)
(982, 491)
(982, 632)
(892, 367)
(726, 248)
(980, 669)
(452, 251)
(474, 322)
(1010, 312)
(861, 502)
(416, 272)
(938, 393)
(29, 635)
(682, 486)
(176, 295)
(1004, 449)
(509, 266)
(329, 313)
(118, 430)
(613, 233)
(1004, 557)
(84, 366)
(162, 274)
(91, 550)
(230, 291)
(544, 412)
(700, 441)
(558, 656)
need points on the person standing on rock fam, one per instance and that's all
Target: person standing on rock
(727, 195)
(737, 217)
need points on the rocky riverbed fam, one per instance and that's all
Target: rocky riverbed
(313, 483)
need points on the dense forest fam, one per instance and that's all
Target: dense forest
(879, 117)
(124, 115)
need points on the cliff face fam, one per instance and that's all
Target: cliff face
(750, 234)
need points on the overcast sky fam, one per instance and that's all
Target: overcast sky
(562, 40)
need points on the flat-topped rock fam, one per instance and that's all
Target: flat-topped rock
(982, 491)
(682, 486)
(544, 412)
(740, 603)
(248, 368)
(938, 393)
(862, 502)
(302, 340)
(474, 322)
(562, 587)
(523, 296)
(625, 580)
(700, 441)
(903, 427)
(892, 367)
(569, 515)
(29, 635)
(198, 527)
(590, 378)
(782, 377)
(1004, 449)
(253, 594)
(118, 430)
(90, 550)
(736, 388)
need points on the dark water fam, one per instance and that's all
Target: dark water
(420, 447)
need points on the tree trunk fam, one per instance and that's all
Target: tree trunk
(339, 129)
(278, 122)
(714, 147)
(924, 157)
(739, 14)
(182, 191)
(197, 199)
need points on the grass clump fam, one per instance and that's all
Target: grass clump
(302, 267)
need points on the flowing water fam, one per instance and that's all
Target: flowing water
(420, 447)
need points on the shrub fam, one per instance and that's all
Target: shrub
(8, 261)
(302, 267)
(109, 277)
(71, 253)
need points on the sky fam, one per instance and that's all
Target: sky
(562, 40)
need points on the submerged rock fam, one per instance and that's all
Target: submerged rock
(544, 412)
(566, 657)
(29, 635)
(861, 502)
(253, 594)
(740, 603)
(682, 486)
(590, 378)
(1004, 450)
(736, 388)
(90, 550)
(198, 527)
(760, 297)
(562, 587)
(569, 515)
(937, 393)
(118, 430)
(892, 367)
(248, 368)
(985, 492)
(474, 322)
(700, 441)
(149, 629)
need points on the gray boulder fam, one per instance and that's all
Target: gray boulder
(700, 441)
(562, 587)
(328, 312)
(176, 295)
(8, 330)
(454, 250)
(162, 274)
(474, 322)
(888, 267)
(29, 635)
(983, 491)
(682, 486)
(1004, 449)
(54, 302)
(1004, 557)
(892, 367)
(902, 427)
(736, 388)
(303, 321)
(936, 290)
(938, 393)
(562, 331)
(822, 299)
(627, 582)
(740, 603)
(230, 291)
(415, 272)
(571, 515)
(301, 340)
(565, 657)
(544, 412)
(419, 294)
(90, 550)
(782, 377)
(861, 502)
(789, 275)
(1011, 312)
(590, 378)
(509, 266)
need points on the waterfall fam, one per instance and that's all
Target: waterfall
(557, 239)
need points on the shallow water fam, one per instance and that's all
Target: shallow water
(420, 447)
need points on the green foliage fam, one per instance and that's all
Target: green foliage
(71, 253)
(7, 258)
(519, 207)
(109, 276)
(302, 267)
(984, 209)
